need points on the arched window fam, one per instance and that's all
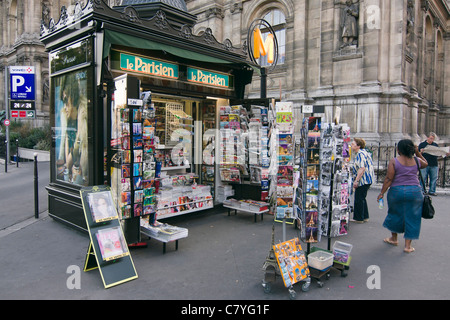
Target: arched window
(277, 20)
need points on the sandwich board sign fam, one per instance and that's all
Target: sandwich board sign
(108, 250)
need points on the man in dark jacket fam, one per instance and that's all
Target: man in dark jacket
(432, 169)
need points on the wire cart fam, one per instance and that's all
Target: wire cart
(287, 260)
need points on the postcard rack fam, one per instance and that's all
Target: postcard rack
(335, 187)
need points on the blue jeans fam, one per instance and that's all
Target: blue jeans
(404, 211)
(432, 172)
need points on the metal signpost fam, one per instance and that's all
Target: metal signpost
(22, 95)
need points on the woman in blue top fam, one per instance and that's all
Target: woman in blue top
(363, 173)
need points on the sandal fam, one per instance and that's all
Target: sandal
(411, 249)
(389, 241)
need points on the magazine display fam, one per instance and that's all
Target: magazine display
(134, 172)
(208, 167)
(248, 205)
(162, 231)
(179, 194)
(233, 153)
(112, 243)
(244, 146)
(282, 162)
(101, 206)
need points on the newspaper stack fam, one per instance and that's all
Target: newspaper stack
(163, 231)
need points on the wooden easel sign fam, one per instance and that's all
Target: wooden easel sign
(108, 250)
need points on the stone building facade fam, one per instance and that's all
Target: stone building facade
(20, 22)
(385, 64)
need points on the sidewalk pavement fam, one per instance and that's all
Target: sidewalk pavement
(221, 259)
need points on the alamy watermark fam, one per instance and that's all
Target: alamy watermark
(374, 280)
(74, 279)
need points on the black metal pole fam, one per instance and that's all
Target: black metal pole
(443, 173)
(330, 207)
(387, 158)
(17, 153)
(378, 164)
(263, 83)
(36, 197)
(6, 156)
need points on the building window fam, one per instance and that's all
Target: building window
(277, 20)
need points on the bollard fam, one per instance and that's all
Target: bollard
(36, 197)
(17, 153)
(6, 156)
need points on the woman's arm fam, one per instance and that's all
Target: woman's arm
(359, 174)
(389, 178)
(422, 161)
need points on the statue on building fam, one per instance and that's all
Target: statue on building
(410, 22)
(349, 24)
(45, 16)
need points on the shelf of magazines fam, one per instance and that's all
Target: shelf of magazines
(183, 199)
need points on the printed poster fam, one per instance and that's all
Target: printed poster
(292, 261)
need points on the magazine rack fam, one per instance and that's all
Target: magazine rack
(108, 250)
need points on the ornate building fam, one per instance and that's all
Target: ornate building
(385, 63)
(20, 45)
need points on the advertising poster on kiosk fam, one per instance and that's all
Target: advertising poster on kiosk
(71, 127)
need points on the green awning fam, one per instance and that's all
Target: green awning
(118, 38)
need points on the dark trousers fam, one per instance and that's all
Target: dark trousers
(361, 211)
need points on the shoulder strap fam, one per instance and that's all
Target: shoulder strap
(420, 174)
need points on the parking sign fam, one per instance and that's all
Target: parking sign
(22, 83)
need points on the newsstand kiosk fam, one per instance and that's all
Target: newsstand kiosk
(128, 82)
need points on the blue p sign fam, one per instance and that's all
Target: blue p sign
(22, 83)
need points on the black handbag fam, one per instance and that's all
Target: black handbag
(427, 209)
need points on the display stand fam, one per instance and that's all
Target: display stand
(256, 213)
(243, 151)
(288, 260)
(307, 179)
(281, 167)
(164, 233)
(132, 147)
(107, 250)
(335, 186)
(209, 165)
(177, 192)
